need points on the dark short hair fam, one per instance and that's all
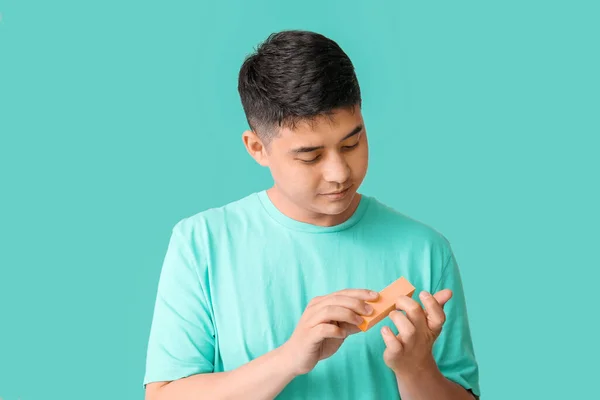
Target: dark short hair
(294, 76)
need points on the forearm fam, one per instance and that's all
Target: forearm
(261, 379)
(430, 384)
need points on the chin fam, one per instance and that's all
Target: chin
(336, 211)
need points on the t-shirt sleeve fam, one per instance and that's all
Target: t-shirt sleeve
(453, 350)
(181, 341)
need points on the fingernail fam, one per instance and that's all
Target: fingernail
(425, 295)
(374, 294)
(368, 309)
(359, 320)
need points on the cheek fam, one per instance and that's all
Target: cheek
(296, 176)
(359, 161)
(305, 180)
(281, 172)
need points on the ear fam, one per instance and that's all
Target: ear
(255, 147)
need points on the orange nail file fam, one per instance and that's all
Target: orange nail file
(386, 302)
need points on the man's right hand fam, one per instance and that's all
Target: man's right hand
(326, 322)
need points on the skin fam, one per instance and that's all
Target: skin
(338, 159)
(411, 350)
(409, 354)
(325, 324)
(301, 179)
(341, 162)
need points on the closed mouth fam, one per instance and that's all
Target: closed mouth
(340, 192)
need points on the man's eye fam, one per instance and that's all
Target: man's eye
(351, 147)
(311, 160)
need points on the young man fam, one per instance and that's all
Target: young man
(261, 298)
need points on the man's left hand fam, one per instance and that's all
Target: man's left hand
(410, 351)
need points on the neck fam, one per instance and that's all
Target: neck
(292, 210)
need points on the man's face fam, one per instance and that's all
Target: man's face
(318, 167)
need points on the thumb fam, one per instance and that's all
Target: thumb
(443, 296)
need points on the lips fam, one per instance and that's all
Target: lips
(339, 193)
(336, 193)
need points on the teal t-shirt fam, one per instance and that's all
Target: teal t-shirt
(236, 279)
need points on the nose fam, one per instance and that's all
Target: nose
(336, 169)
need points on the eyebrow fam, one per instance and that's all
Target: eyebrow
(306, 149)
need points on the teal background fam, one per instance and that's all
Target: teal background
(118, 118)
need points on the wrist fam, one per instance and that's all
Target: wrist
(286, 363)
(425, 370)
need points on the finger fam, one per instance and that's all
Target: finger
(361, 294)
(333, 313)
(434, 312)
(393, 345)
(406, 330)
(358, 306)
(414, 312)
(326, 330)
(443, 296)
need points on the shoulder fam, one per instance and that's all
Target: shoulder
(193, 237)
(396, 222)
(429, 247)
(210, 221)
